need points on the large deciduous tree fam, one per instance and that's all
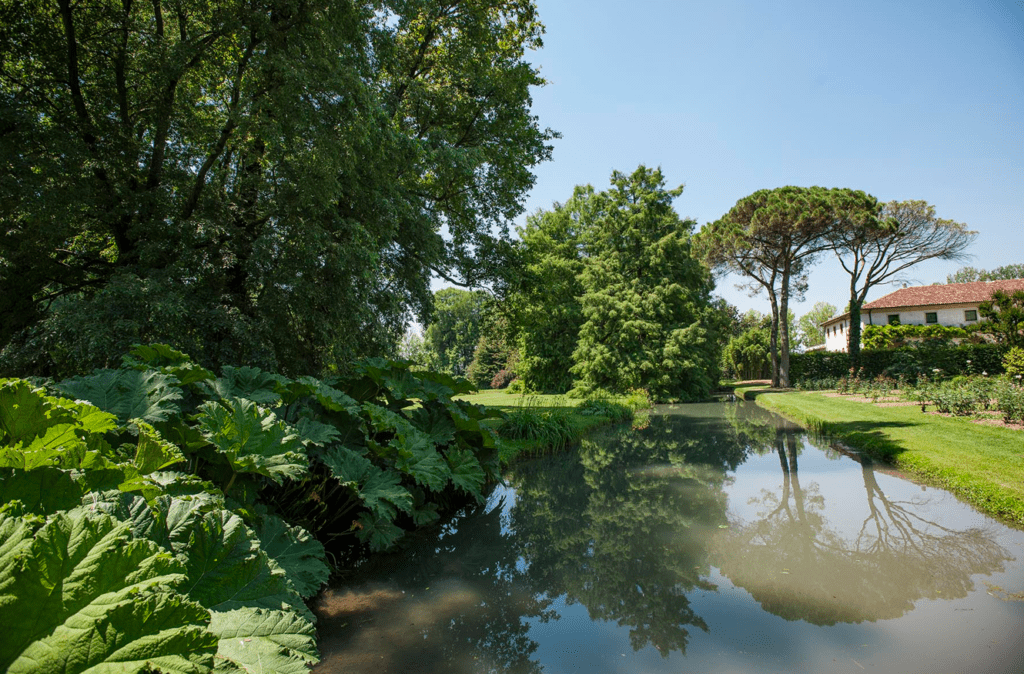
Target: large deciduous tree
(772, 237)
(454, 330)
(970, 274)
(811, 332)
(546, 308)
(876, 249)
(648, 319)
(262, 182)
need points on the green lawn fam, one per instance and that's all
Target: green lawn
(984, 465)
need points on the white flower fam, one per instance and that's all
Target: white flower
(968, 362)
(984, 374)
(935, 369)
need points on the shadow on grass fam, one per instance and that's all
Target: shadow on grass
(867, 436)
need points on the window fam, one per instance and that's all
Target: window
(970, 315)
(894, 319)
(931, 317)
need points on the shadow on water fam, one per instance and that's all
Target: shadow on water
(632, 526)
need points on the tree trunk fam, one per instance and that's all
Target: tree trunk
(784, 332)
(773, 344)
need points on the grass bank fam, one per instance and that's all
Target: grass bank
(547, 422)
(983, 465)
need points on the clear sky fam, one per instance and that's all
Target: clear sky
(901, 99)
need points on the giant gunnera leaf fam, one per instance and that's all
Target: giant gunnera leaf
(293, 548)
(260, 640)
(80, 593)
(253, 440)
(127, 394)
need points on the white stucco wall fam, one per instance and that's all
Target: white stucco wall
(949, 315)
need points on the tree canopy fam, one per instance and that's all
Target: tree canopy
(875, 250)
(454, 330)
(265, 182)
(647, 315)
(772, 237)
(1005, 314)
(970, 274)
(811, 332)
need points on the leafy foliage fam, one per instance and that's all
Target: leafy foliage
(971, 275)
(811, 332)
(895, 336)
(1005, 314)
(773, 236)
(454, 330)
(216, 558)
(648, 321)
(263, 183)
(80, 592)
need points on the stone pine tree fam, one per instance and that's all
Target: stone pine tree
(646, 299)
(874, 247)
(772, 237)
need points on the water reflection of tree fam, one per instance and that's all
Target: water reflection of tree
(798, 567)
(623, 529)
(464, 604)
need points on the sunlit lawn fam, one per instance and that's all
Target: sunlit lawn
(982, 464)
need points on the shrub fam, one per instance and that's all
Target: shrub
(1010, 401)
(911, 362)
(502, 378)
(602, 406)
(1013, 362)
(554, 428)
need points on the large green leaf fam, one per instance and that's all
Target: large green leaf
(467, 474)
(313, 432)
(81, 593)
(347, 466)
(250, 383)
(300, 555)
(259, 640)
(168, 361)
(26, 412)
(424, 464)
(153, 452)
(43, 491)
(380, 533)
(226, 568)
(329, 397)
(435, 421)
(382, 493)
(253, 440)
(127, 394)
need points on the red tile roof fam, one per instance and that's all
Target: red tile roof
(951, 293)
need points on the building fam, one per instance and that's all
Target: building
(953, 304)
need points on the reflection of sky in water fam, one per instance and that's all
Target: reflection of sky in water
(817, 517)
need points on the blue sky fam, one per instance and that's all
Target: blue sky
(904, 100)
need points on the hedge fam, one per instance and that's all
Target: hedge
(909, 361)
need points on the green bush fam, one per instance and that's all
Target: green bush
(1013, 362)
(910, 362)
(897, 336)
(200, 493)
(1010, 401)
(555, 428)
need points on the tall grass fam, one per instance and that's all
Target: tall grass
(556, 428)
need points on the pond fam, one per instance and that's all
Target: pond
(719, 539)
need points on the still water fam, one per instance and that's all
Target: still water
(719, 539)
